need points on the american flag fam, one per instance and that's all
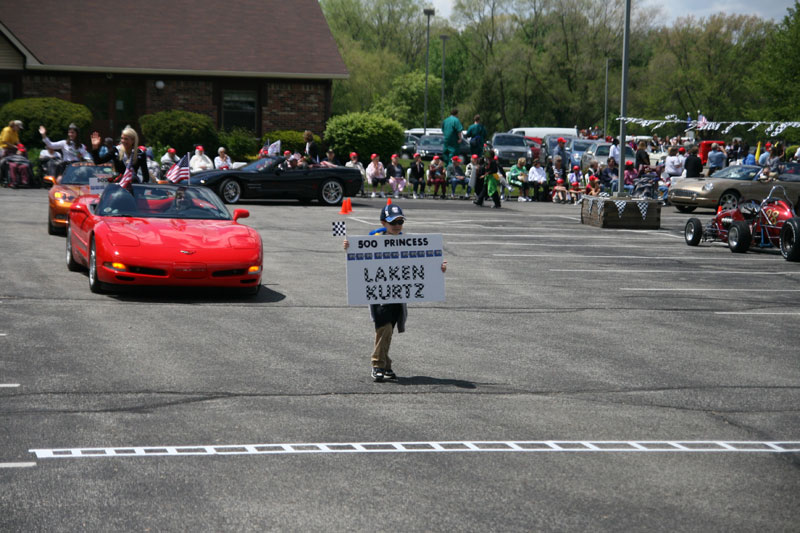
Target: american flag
(127, 177)
(339, 229)
(179, 171)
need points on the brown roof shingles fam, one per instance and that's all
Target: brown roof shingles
(243, 36)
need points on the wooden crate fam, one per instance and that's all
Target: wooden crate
(604, 213)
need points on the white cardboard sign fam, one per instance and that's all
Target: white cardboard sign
(96, 185)
(383, 269)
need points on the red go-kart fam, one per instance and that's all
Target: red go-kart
(773, 223)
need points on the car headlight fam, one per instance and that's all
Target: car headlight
(63, 196)
(708, 186)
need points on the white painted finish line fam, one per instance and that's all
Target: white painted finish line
(8, 385)
(17, 465)
(639, 446)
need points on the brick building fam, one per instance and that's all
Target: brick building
(261, 64)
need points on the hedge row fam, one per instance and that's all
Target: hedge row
(53, 113)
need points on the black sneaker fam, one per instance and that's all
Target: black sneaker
(388, 373)
(377, 374)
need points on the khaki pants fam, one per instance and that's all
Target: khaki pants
(383, 339)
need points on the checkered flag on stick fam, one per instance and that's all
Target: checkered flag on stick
(339, 228)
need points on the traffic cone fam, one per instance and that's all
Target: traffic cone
(719, 209)
(344, 210)
(388, 201)
(349, 203)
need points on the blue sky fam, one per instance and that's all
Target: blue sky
(673, 9)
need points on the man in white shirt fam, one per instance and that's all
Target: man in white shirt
(200, 161)
(614, 150)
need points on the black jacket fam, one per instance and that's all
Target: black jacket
(119, 165)
(693, 166)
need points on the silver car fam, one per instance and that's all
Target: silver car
(600, 151)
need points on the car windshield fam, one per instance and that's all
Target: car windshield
(430, 140)
(580, 146)
(602, 150)
(262, 163)
(79, 173)
(161, 201)
(509, 140)
(741, 173)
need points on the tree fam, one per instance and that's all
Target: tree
(405, 101)
(779, 76)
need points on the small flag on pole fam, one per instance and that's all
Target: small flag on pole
(274, 148)
(339, 228)
(179, 171)
(127, 177)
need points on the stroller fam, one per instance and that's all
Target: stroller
(646, 185)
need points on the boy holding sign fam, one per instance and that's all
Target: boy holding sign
(386, 316)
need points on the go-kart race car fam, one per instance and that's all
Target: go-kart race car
(771, 224)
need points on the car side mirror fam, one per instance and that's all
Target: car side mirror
(240, 213)
(79, 208)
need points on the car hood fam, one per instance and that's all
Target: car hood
(182, 233)
(77, 190)
(696, 184)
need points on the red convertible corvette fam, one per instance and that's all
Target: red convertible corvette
(162, 235)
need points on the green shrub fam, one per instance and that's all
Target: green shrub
(182, 130)
(240, 143)
(364, 133)
(54, 114)
(790, 151)
(290, 140)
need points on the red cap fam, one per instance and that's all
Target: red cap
(416, 155)
(436, 157)
(394, 156)
(200, 148)
(629, 163)
(474, 156)
(592, 178)
(171, 150)
(496, 158)
(373, 156)
(560, 180)
(768, 144)
(353, 154)
(576, 167)
(20, 147)
(561, 140)
(287, 152)
(681, 150)
(456, 158)
(143, 148)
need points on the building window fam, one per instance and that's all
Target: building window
(6, 92)
(239, 109)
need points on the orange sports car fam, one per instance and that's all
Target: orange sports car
(69, 186)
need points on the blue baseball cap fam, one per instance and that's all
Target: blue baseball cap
(391, 212)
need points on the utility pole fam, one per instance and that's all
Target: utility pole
(444, 40)
(605, 107)
(428, 11)
(624, 97)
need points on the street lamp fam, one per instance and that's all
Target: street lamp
(428, 11)
(444, 40)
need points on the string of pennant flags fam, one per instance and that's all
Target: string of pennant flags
(773, 128)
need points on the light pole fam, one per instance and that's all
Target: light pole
(605, 107)
(444, 40)
(428, 11)
(624, 99)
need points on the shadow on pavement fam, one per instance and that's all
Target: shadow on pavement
(191, 295)
(427, 380)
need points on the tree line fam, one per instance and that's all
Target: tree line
(543, 63)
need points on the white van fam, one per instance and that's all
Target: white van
(541, 132)
(419, 132)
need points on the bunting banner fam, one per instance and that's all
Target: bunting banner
(772, 128)
(642, 209)
(620, 206)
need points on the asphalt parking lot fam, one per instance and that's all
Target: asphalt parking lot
(575, 379)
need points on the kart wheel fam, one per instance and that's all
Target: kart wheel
(685, 208)
(729, 200)
(790, 248)
(739, 237)
(331, 192)
(72, 265)
(94, 284)
(230, 191)
(693, 231)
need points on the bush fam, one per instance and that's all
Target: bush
(364, 133)
(290, 140)
(790, 151)
(180, 129)
(54, 114)
(240, 143)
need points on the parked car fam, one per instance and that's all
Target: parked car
(535, 144)
(728, 188)
(409, 147)
(157, 235)
(431, 145)
(549, 143)
(69, 186)
(509, 148)
(266, 178)
(600, 152)
(576, 148)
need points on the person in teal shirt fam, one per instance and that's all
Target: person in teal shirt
(477, 136)
(451, 128)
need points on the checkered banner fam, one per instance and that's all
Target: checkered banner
(339, 228)
(620, 206)
(642, 209)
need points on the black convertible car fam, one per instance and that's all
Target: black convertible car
(267, 178)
